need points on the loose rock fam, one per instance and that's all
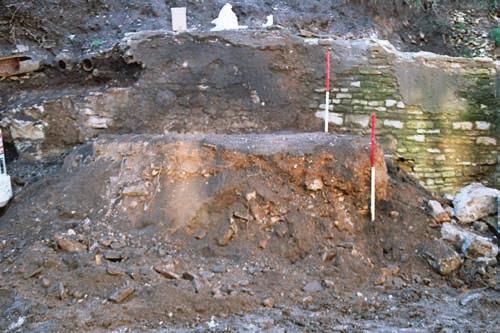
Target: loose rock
(440, 256)
(165, 271)
(69, 245)
(121, 295)
(312, 287)
(469, 243)
(438, 212)
(474, 202)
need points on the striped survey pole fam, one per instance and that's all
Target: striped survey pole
(372, 164)
(5, 186)
(327, 88)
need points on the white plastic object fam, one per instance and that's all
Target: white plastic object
(5, 190)
(227, 19)
(5, 185)
(269, 22)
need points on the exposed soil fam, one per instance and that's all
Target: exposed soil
(266, 231)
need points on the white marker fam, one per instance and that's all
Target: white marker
(5, 186)
(327, 88)
(179, 22)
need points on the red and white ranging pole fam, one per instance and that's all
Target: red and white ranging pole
(372, 164)
(5, 186)
(327, 90)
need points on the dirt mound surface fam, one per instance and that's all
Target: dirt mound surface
(168, 231)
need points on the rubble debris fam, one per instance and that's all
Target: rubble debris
(470, 244)
(313, 287)
(314, 184)
(441, 257)
(69, 245)
(165, 270)
(474, 202)
(120, 295)
(268, 302)
(438, 212)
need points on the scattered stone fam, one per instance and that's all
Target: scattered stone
(475, 201)
(228, 235)
(328, 283)
(33, 273)
(69, 245)
(77, 294)
(98, 259)
(188, 276)
(394, 213)
(217, 293)
(313, 287)
(219, 268)
(268, 302)
(314, 184)
(60, 291)
(200, 234)
(469, 243)
(165, 271)
(442, 258)
(135, 190)
(328, 256)
(115, 270)
(121, 294)
(387, 273)
(263, 243)
(45, 282)
(437, 211)
(198, 284)
(113, 256)
(307, 299)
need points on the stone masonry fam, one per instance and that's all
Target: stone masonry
(438, 116)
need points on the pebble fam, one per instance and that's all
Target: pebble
(188, 276)
(113, 256)
(268, 302)
(219, 268)
(164, 270)
(121, 295)
(69, 245)
(45, 282)
(312, 287)
(115, 270)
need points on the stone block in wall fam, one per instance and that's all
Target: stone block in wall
(485, 140)
(483, 125)
(462, 125)
(357, 120)
(393, 123)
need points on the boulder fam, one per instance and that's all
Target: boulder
(442, 258)
(470, 244)
(475, 201)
